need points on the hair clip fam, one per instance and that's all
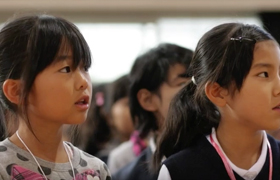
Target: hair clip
(240, 39)
(99, 99)
(193, 80)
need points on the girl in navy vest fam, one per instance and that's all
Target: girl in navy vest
(215, 126)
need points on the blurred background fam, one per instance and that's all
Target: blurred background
(117, 31)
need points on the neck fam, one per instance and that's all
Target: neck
(243, 147)
(46, 143)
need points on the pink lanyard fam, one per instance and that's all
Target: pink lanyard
(226, 164)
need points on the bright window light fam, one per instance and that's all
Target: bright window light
(115, 46)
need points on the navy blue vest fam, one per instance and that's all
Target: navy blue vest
(202, 162)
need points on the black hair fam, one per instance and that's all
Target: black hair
(3, 129)
(223, 55)
(97, 130)
(28, 45)
(149, 71)
(120, 88)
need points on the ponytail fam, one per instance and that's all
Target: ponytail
(186, 120)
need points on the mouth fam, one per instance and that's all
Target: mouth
(276, 108)
(83, 100)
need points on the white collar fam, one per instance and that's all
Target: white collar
(251, 173)
(152, 144)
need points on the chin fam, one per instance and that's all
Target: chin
(78, 122)
(273, 128)
(75, 121)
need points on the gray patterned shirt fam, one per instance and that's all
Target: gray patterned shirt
(18, 164)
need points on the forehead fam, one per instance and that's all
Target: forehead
(175, 70)
(267, 52)
(65, 48)
(64, 53)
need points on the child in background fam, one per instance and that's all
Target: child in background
(119, 112)
(45, 84)
(215, 126)
(109, 122)
(121, 118)
(93, 135)
(156, 76)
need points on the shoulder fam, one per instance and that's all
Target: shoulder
(91, 162)
(9, 151)
(6, 143)
(191, 155)
(137, 169)
(3, 171)
(275, 147)
(185, 158)
(122, 149)
(121, 156)
(273, 142)
(192, 160)
(11, 155)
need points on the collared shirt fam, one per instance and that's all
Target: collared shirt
(249, 174)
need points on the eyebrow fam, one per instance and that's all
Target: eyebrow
(259, 65)
(183, 75)
(63, 57)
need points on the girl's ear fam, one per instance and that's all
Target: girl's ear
(147, 100)
(11, 89)
(216, 94)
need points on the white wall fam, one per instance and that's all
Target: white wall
(115, 46)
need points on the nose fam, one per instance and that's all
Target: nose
(83, 80)
(276, 91)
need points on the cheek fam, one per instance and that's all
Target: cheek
(170, 95)
(252, 101)
(121, 118)
(167, 94)
(50, 95)
(258, 97)
(165, 104)
(118, 113)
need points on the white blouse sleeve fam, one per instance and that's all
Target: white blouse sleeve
(164, 173)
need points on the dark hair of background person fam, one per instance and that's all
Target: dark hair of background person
(120, 88)
(149, 71)
(3, 125)
(29, 44)
(95, 131)
(270, 21)
(93, 135)
(219, 59)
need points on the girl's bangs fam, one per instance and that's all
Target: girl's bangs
(65, 36)
(80, 49)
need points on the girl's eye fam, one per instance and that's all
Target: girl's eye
(86, 68)
(182, 84)
(263, 74)
(66, 69)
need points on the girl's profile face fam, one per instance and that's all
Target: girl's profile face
(60, 93)
(176, 80)
(257, 104)
(121, 117)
